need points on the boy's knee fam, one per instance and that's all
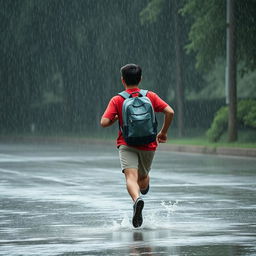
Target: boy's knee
(131, 172)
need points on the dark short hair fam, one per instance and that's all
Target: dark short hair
(131, 74)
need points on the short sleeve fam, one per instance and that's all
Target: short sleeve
(158, 104)
(111, 110)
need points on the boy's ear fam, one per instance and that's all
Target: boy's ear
(123, 82)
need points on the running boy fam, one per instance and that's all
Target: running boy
(136, 160)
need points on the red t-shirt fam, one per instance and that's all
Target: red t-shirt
(115, 108)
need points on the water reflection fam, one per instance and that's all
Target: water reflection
(139, 247)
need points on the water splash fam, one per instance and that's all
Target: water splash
(124, 225)
(170, 207)
(153, 218)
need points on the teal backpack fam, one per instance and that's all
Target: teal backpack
(139, 119)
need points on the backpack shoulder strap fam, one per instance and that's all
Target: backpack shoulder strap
(124, 94)
(143, 92)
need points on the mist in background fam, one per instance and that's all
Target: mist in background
(60, 61)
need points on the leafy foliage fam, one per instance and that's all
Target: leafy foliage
(207, 33)
(151, 12)
(246, 113)
(219, 124)
(214, 85)
(208, 24)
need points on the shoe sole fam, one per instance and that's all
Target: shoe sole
(137, 218)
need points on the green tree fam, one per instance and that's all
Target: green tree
(207, 40)
(60, 59)
(150, 14)
(207, 35)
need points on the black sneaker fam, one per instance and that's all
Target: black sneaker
(137, 212)
(144, 191)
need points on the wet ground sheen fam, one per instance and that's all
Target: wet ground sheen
(63, 199)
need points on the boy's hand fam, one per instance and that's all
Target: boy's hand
(161, 137)
(105, 122)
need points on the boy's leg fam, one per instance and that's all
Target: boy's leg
(131, 175)
(143, 182)
(129, 159)
(129, 163)
(135, 183)
(145, 162)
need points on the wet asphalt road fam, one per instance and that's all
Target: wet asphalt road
(64, 199)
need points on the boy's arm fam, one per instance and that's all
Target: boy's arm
(110, 115)
(168, 116)
(105, 122)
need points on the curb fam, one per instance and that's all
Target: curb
(245, 152)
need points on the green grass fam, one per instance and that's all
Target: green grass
(201, 141)
(246, 139)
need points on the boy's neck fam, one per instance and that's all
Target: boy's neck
(131, 86)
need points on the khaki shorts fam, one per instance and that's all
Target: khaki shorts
(131, 157)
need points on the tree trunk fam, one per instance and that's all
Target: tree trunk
(179, 79)
(231, 69)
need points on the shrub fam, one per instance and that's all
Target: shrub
(246, 113)
(219, 124)
(250, 119)
(246, 116)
